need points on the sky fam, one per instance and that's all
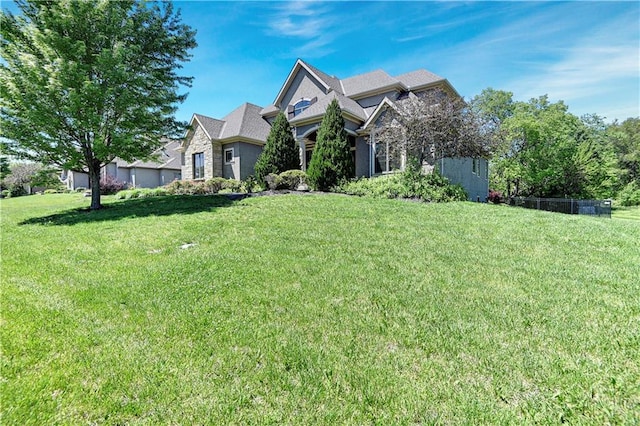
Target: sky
(584, 53)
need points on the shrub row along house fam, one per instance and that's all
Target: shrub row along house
(229, 147)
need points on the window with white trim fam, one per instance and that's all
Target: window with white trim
(198, 165)
(300, 106)
(228, 155)
(384, 162)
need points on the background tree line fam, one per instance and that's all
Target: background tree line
(540, 149)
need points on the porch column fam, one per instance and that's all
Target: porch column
(303, 156)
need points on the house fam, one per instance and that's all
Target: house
(165, 168)
(229, 147)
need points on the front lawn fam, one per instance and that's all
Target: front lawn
(315, 309)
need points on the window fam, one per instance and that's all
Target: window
(384, 162)
(475, 166)
(300, 106)
(228, 155)
(198, 165)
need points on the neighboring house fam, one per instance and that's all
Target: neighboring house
(230, 146)
(139, 174)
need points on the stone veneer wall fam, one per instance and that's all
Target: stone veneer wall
(212, 155)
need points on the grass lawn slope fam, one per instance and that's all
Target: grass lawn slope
(315, 310)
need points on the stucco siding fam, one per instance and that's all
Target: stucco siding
(460, 171)
(302, 86)
(375, 100)
(168, 176)
(249, 154)
(78, 180)
(307, 128)
(362, 156)
(231, 170)
(145, 178)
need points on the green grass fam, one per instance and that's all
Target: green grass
(619, 212)
(315, 310)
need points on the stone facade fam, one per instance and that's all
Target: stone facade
(200, 143)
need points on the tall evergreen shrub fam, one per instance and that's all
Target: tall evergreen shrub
(281, 151)
(331, 161)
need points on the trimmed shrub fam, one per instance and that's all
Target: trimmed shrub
(432, 187)
(271, 181)
(214, 185)
(81, 189)
(250, 184)
(210, 186)
(140, 193)
(159, 192)
(291, 179)
(16, 191)
(51, 191)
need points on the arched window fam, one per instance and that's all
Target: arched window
(300, 106)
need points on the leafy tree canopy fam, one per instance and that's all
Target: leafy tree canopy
(433, 125)
(84, 82)
(543, 150)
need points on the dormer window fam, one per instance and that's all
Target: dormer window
(300, 106)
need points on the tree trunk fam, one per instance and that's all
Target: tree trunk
(94, 182)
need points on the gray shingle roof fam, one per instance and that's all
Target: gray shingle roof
(269, 110)
(418, 78)
(331, 81)
(168, 157)
(245, 121)
(319, 108)
(212, 126)
(368, 82)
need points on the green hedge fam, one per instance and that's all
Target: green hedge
(427, 187)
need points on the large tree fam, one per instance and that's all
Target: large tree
(433, 125)
(625, 138)
(331, 161)
(84, 82)
(281, 152)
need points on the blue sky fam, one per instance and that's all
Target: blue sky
(585, 53)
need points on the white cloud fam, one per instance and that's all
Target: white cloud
(598, 72)
(310, 24)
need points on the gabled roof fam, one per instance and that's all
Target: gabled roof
(167, 157)
(245, 122)
(211, 126)
(382, 106)
(332, 81)
(370, 82)
(328, 82)
(318, 109)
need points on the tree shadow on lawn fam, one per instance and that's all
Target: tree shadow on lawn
(138, 207)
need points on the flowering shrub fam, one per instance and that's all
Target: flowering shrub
(110, 185)
(495, 197)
